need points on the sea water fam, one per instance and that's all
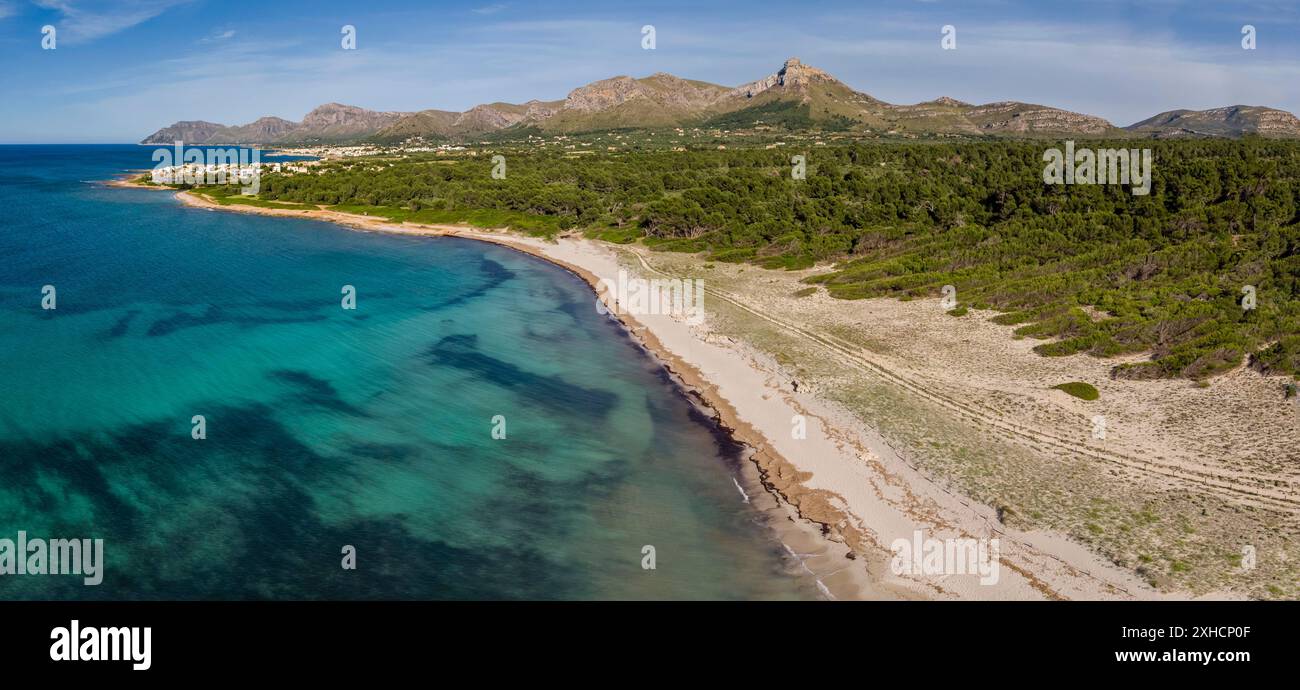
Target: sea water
(473, 429)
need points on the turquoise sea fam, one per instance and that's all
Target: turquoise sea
(329, 427)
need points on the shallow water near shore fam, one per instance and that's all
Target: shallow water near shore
(329, 427)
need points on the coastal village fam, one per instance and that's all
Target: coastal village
(677, 139)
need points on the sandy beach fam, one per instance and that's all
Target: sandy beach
(848, 491)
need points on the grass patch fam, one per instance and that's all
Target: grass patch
(230, 196)
(1079, 389)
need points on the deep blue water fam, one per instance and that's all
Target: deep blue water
(329, 427)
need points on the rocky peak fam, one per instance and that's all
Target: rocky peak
(661, 88)
(1272, 121)
(795, 74)
(338, 121)
(272, 125)
(1011, 117)
(603, 94)
(262, 129)
(540, 110)
(1228, 121)
(488, 117)
(188, 131)
(333, 113)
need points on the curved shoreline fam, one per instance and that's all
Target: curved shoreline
(851, 495)
(812, 513)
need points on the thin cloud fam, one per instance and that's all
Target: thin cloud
(218, 36)
(87, 20)
(489, 9)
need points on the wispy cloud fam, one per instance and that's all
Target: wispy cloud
(490, 9)
(87, 20)
(218, 36)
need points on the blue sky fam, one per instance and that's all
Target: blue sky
(125, 68)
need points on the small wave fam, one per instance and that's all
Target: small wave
(742, 491)
(796, 555)
(826, 592)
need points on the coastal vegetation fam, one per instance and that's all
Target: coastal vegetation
(1079, 389)
(1089, 269)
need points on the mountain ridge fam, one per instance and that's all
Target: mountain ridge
(796, 96)
(1216, 122)
(325, 123)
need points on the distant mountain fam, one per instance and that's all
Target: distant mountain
(1232, 121)
(1004, 118)
(340, 122)
(263, 129)
(332, 122)
(825, 99)
(659, 100)
(481, 119)
(188, 131)
(797, 97)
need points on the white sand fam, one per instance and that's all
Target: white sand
(843, 475)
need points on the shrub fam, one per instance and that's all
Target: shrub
(1079, 389)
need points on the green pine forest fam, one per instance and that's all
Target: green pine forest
(1085, 268)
